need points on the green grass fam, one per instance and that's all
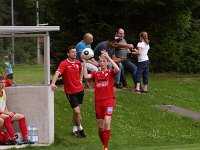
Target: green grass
(136, 123)
(26, 74)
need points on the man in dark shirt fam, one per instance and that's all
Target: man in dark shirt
(109, 46)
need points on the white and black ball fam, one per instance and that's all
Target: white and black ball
(87, 54)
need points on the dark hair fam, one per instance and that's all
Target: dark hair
(69, 48)
(114, 38)
(2, 77)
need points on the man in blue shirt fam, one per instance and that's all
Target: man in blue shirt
(86, 43)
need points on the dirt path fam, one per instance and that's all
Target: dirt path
(180, 111)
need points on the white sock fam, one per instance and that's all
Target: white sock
(80, 127)
(75, 128)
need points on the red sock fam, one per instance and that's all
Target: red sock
(101, 133)
(22, 126)
(9, 128)
(106, 138)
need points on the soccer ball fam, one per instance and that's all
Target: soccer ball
(87, 53)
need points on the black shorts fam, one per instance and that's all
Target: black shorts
(75, 99)
(10, 76)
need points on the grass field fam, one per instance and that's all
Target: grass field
(27, 74)
(136, 124)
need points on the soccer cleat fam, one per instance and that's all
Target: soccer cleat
(14, 142)
(27, 141)
(75, 133)
(81, 134)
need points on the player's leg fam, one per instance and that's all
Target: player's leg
(77, 120)
(80, 101)
(75, 101)
(100, 119)
(100, 123)
(108, 111)
(9, 128)
(22, 125)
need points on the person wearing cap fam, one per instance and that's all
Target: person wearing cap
(109, 46)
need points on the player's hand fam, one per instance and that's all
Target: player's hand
(81, 81)
(53, 86)
(104, 53)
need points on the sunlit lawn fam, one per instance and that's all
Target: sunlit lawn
(136, 123)
(26, 74)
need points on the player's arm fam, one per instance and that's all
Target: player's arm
(114, 65)
(53, 82)
(81, 74)
(85, 72)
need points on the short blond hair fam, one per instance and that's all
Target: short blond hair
(103, 57)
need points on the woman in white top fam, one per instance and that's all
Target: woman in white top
(143, 63)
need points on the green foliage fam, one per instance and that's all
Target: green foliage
(25, 51)
(173, 26)
(4, 12)
(29, 74)
(170, 25)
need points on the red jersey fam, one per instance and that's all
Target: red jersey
(70, 74)
(103, 82)
(8, 82)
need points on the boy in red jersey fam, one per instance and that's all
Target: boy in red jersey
(10, 117)
(104, 95)
(72, 73)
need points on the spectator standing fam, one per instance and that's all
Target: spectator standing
(104, 95)
(72, 73)
(143, 63)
